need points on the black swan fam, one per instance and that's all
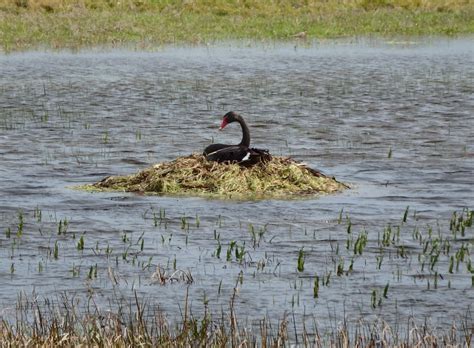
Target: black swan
(241, 153)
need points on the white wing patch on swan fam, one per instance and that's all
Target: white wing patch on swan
(247, 156)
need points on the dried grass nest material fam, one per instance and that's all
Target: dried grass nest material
(194, 175)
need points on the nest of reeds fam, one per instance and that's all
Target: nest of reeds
(193, 175)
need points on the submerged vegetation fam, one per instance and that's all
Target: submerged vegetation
(436, 260)
(194, 175)
(144, 24)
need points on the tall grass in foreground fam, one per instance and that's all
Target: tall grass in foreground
(139, 324)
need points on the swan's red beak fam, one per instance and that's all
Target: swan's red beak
(224, 123)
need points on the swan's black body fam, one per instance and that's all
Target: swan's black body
(240, 153)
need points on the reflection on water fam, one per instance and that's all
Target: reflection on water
(395, 122)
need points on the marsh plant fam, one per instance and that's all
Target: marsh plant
(61, 323)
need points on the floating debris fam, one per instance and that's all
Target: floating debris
(282, 177)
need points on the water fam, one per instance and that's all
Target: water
(394, 121)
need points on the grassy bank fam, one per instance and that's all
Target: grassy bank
(29, 24)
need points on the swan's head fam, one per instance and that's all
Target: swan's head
(229, 118)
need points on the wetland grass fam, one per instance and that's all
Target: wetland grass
(436, 258)
(146, 24)
(281, 177)
(60, 323)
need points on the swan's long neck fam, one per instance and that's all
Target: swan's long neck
(245, 133)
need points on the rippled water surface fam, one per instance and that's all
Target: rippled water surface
(394, 121)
